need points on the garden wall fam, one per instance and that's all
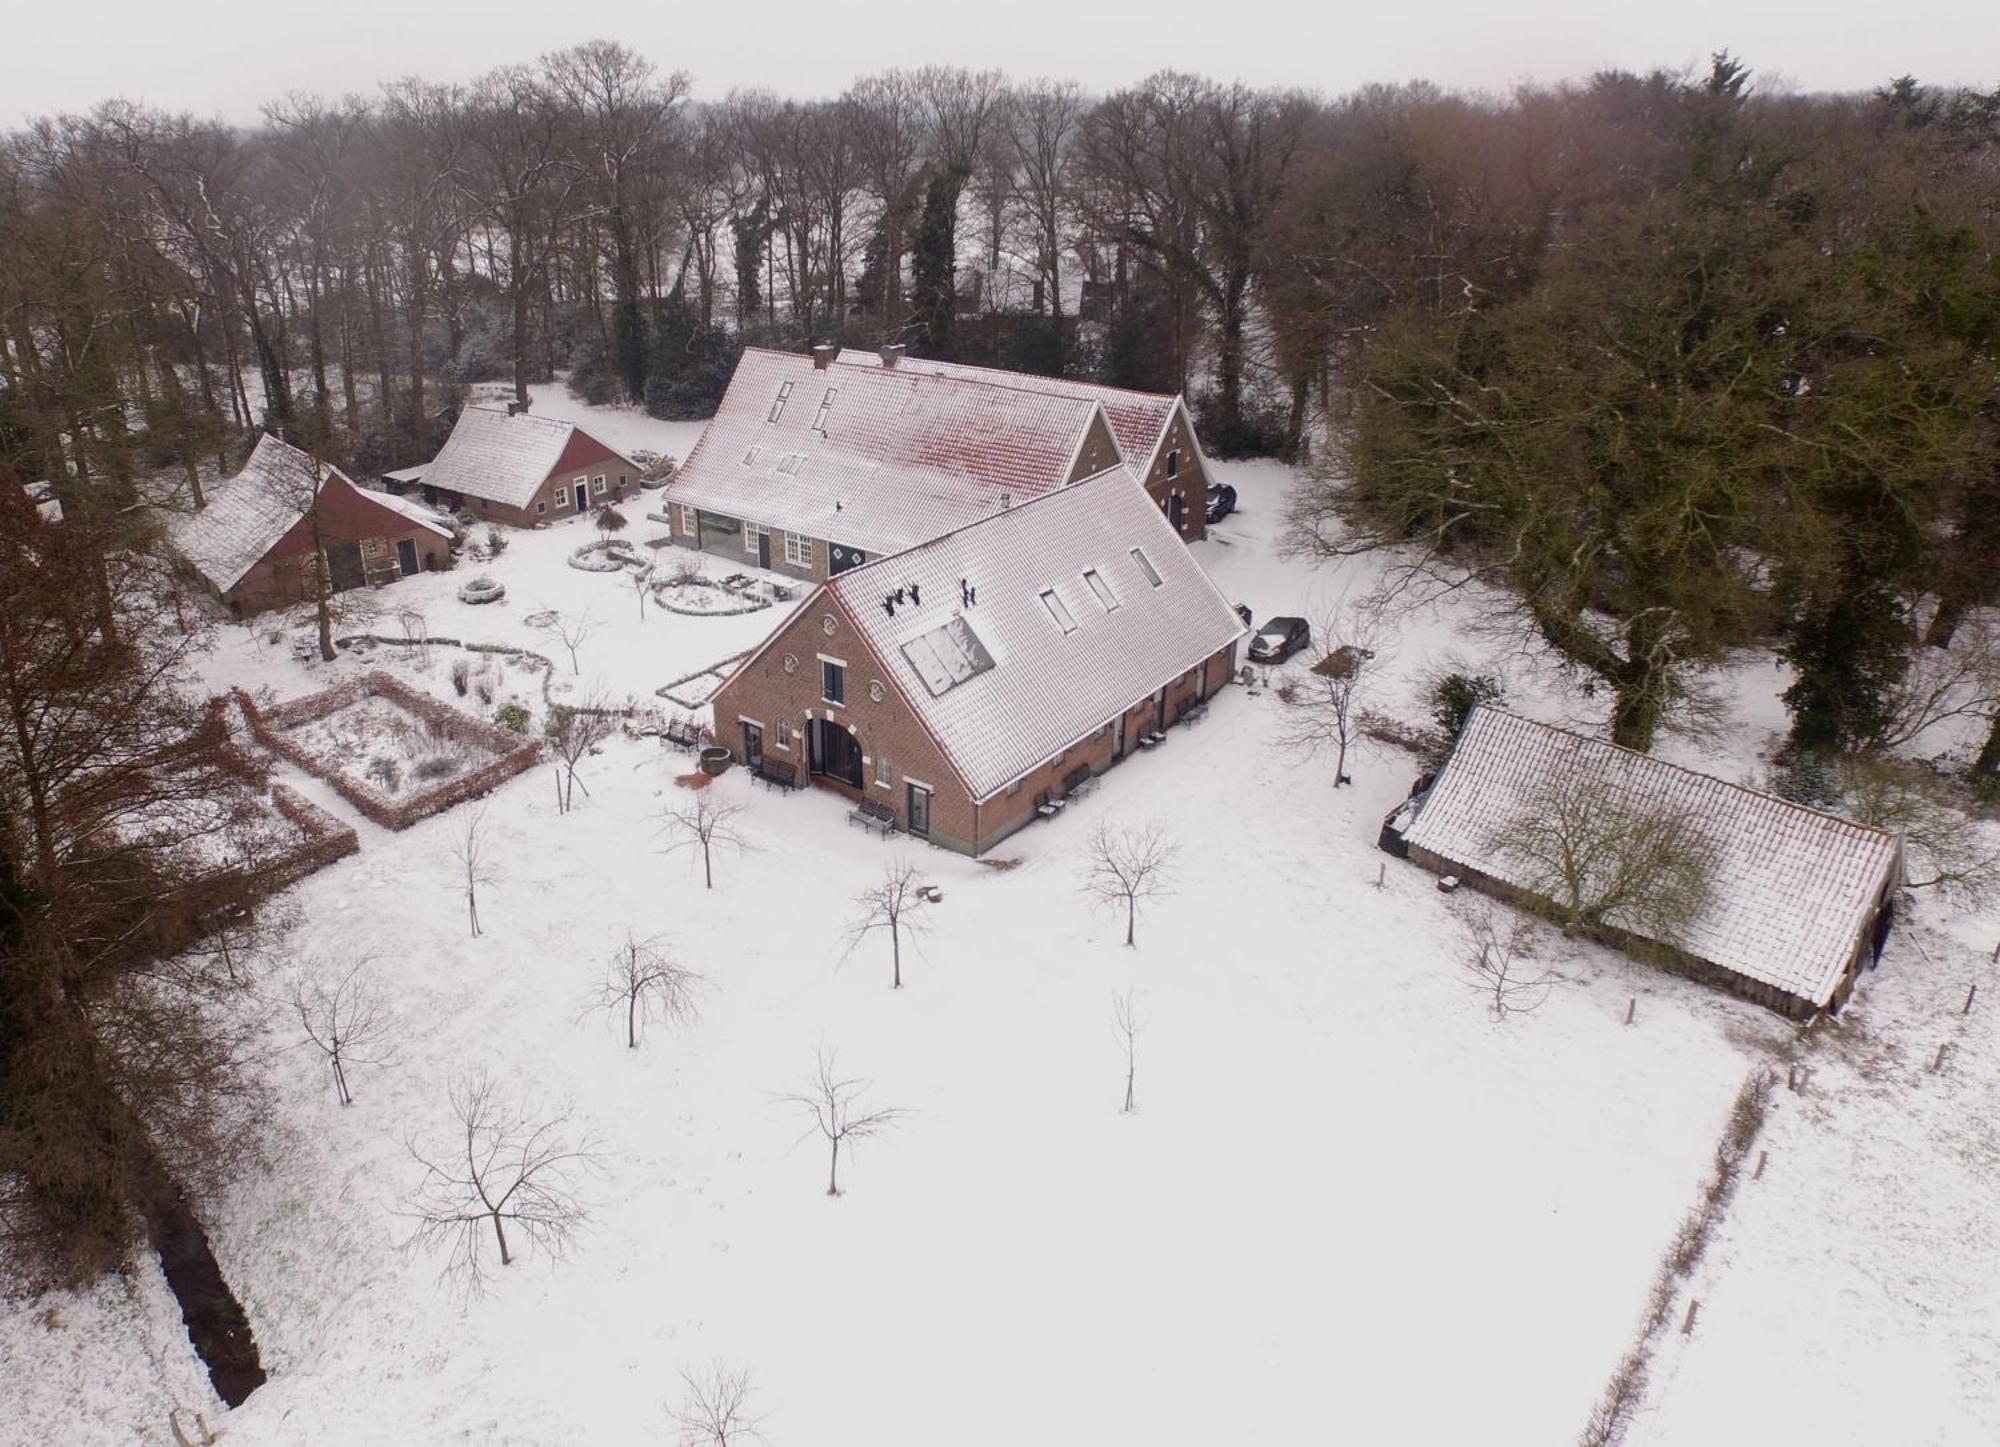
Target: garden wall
(513, 753)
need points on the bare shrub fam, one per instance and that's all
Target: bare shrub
(716, 1409)
(1324, 706)
(1124, 866)
(643, 983)
(1125, 1019)
(342, 1019)
(701, 825)
(469, 849)
(834, 1105)
(889, 907)
(461, 676)
(505, 1168)
(1499, 955)
(570, 630)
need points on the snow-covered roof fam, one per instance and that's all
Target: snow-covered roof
(500, 457)
(875, 459)
(1790, 890)
(408, 475)
(410, 508)
(985, 663)
(1138, 419)
(247, 514)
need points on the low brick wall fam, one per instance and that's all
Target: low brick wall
(327, 838)
(513, 753)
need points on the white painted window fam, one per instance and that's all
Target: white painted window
(687, 520)
(541, 507)
(1058, 610)
(798, 550)
(597, 485)
(1146, 566)
(883, 773)
(832, 681)
(562, 497)
(784, 734)
(1174, 463)
(751, 532)
(1102, 589)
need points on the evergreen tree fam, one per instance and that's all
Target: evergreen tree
(933, 264)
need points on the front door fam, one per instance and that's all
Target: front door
(1176, 511)
(582, 495)
(406, 556)
(1160, 711)
(920, 811)
(343, 561)
(1118, 739)
(753, 745)
(763, 550)
(835, 753)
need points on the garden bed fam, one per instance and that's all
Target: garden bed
(702, 599)
(395, 754)
(607, 556)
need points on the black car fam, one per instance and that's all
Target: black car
(1243, 612)
(1221, 501)
(1279, 639)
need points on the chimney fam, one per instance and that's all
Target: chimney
(891, 354)
(516, 408)
(1006, 501)
(823, 355)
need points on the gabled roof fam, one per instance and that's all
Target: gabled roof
(1791, 888)
(247, 515)
(993, 675)
(500, 457)
(892, 460)
(1138, 419)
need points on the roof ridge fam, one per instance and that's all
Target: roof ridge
(1027, 376)
(1684, 769)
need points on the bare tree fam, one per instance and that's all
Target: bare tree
(833, 1104)
(574, 731)
(641, 580)
(1946, 848)
(643, 983)
(468, 847)
(890, 906)
(1124, 866)
(570, 631)
(506, 1168)
(704, 824)
(1501, 962)
(1326, 705)
(715, 1412)
(1125, 1018)
(1601, 854)
(342, 1020)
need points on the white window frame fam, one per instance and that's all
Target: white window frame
(1173, 462)
(1146, 566)
(688, 523)
(836, 663)
(1058, 610)
(782, 736)
(885, 773)
(751, 532)
(597, 485)
(562, 497)
(1100, 589)
(541, 507)
(798, 550)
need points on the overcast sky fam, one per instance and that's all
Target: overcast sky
(225, 57)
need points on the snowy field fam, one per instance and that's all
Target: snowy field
(1350, 1207)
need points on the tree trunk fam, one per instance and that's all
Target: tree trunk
(632, 1020)
(833, 1170)
(896, 953)
(500, 1235)
(1131, 917)
(1987, 765)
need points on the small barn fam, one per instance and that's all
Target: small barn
(254, 542)
(506, 465)
(1794, 901)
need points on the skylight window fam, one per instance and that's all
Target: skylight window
(825, 406)
(1146, 566)
(791, 462)
(750, 457)
(947, 655)
(1058, 610)
(784, 396)
(1102, 589)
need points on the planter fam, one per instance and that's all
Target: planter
(482, 590)
(715, 761)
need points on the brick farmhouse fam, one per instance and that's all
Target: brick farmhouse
(253, 543)
(1796, 901)
(1155, 434)
(813, 465)
(966, 685)
(505, 465)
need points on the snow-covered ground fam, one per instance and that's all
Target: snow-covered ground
(1350, 1207)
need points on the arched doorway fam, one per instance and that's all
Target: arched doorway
(833, 751)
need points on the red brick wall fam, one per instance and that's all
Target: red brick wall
(1191, 483)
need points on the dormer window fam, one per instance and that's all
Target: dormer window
(784, 396)
(1146, 566)
(1058, 610)
(1102, 589)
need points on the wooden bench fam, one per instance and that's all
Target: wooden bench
(1078, 782)
(685, 733)
(870, 815)
(778, 775)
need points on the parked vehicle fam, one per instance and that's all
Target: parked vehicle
(1279, 639)
(1243, 612)
(1221, 501)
